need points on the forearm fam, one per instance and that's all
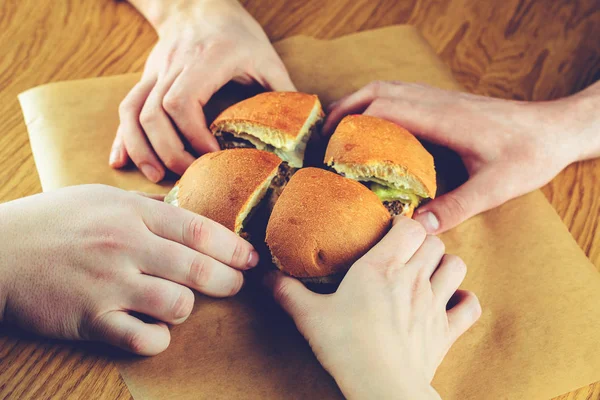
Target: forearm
(158, 12)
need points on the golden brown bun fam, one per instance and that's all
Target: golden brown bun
(323, 223)
(282, 115)
(225, 185)
(364, 146)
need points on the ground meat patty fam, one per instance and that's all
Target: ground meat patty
(228, 141)
(278, 183)
(283, 175)
(395, 207)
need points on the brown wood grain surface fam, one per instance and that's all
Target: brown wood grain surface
(520, 49)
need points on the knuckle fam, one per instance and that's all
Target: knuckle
(93, 326)
(240, 254)
(147, 116)
(456, 264)
(456, 205)
(197, 232)
(134, 341)
(437, 243)
(155, 298)
(173, 103)
(108, 240)
(125, 107)
(199, 272)
(184, 304)
(375, 87)
(380, 105)
(170, 159)
(281, 293)
(393, 271)
(237, 286)
(393, 261)
(412, 229)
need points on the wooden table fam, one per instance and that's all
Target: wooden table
(520, 49)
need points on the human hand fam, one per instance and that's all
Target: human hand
(386, 329)
(77, 262)
(508, 147)
(203, 44)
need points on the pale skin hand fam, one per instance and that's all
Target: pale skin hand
(385, 331)
(75, 263)
(508, 147)
(203, 44)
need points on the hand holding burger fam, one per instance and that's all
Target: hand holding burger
(395, 315)
(85, 262)
(202, 45)
(508, 147)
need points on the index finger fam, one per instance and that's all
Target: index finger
(190, 92)
(354, 103)
(198, 233)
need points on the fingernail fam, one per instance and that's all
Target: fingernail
(114, 155)
(151, 173)
(428, 220)
(253, 259)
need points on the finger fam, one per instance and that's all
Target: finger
(355, 103)
(160, 130)
(184, 103)
(161, 299)
(429, 113)
(447, 278)
(158, 197)
(131, 334)
(398, 245)
(428, 256)
(276, 77)
(178, 263)
(198, 233)
(118, 154)
(464, 314)
(134, 138)
(478, 194)
(292, 296)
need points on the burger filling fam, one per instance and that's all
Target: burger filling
(398, 201)
(228, 141)
(278, 183)
(295, 157)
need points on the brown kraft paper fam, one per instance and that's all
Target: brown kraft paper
(538, 336)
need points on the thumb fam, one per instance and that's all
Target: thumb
(276, 78)
(477, 195)
(291, 295)
(118, 153)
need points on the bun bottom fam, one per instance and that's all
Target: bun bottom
(323, 284)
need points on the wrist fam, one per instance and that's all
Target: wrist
(366, 384)
(581, 112)
(162, 14)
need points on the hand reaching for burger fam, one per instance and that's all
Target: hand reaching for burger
(80, 263)
(386, 329)
(203, 44)
(508, 147)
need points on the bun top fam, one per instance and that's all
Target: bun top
(322, 223)
(282, 117)
(225, 185)
(364, 146)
